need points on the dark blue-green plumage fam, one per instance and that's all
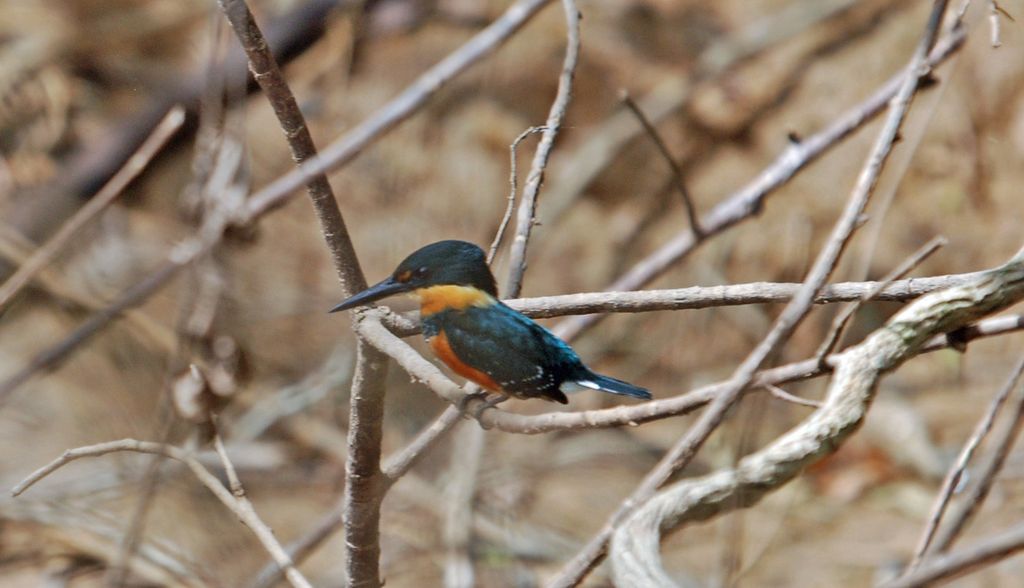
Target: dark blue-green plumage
(519, 356)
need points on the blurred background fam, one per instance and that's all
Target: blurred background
(727, 83)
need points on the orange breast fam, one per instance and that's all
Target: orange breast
(439, 343)
(438, 298)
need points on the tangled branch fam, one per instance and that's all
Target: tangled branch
(634, 548)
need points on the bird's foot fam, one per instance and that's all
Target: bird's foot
(488, 400)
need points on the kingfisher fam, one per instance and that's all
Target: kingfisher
(478, 336)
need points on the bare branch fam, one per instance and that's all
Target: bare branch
(838, 326)
(397, 464)
(241, 508)
(526, 217)
(364, 490)
(513, 182)
(947, 566)
(786, 396)
(112, 189)
(459, 490)
(268, 75)
(973, 499)
(955, 473)
(677, 172)
(994, 11)
(697, 297)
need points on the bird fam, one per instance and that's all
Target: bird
(478, 336)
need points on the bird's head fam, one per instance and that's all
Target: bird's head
(445, 263)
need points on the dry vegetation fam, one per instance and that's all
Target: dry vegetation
(729, 86)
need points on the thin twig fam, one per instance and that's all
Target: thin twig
(956, 472)
(993, 20)
(112, 189)
(460, 490)
(975, 496)
(241, 508)
(400, 462)
(526, 217)
(688, 445)
(838, 326)
(513, 182)
(948, 566)
(677, 172)
(783, 395)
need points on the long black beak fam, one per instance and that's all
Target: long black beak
(384, 289)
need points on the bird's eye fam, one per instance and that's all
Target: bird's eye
(420, 272)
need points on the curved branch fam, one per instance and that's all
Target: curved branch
(634, 549)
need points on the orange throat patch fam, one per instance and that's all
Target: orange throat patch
(443, 350)
(440, 298)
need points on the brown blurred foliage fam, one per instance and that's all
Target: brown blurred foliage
(71, 70)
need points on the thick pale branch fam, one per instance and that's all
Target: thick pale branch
(635, 545)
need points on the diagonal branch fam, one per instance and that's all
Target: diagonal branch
(241, 508)
(750, 199)
(169, 125)
(955, 474)
(347, 147)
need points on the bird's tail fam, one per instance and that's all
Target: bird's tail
(594, 381)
